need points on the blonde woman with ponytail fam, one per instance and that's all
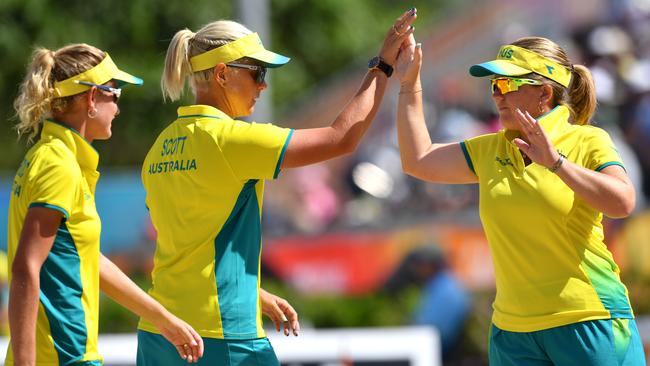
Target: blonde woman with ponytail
(546, 180)
(67, 100)
(204, 178)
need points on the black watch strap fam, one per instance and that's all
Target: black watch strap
(379, 64)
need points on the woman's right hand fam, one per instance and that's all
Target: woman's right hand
(398, 33)
(409, 62)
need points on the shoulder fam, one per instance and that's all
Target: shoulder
(54, 155)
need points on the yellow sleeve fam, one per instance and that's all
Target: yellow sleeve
(475, 150)
(254, 150)
(601, 150)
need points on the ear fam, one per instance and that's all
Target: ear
(547, 94)
(219, 74)
(90, 97)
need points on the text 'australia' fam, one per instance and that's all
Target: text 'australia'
(172, 166)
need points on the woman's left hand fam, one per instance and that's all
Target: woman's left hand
(397, 34)
(538, 146)
(187, 341)
(280, 311)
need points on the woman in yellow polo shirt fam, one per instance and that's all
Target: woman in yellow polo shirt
(57, 269)
(204, 178)
(546, 179)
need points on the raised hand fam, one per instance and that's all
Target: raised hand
(409, 61)
(397, 34)
(537, 146)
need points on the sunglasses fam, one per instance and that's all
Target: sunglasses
(507, 85)
(117, 92)
(260, 71)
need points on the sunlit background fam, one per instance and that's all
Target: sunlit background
(362, 251)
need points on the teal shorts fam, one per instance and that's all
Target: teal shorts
(155, 350)
(611, 342)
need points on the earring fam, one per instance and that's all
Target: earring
(539, 107)
(92, 113)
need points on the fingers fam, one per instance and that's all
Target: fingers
(522, 145)
(417, 58)
(199, 342)
(290, 318)
(397, 33)
(403, 23)
(182, 352)
(187, 341)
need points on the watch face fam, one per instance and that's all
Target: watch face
(373, 62)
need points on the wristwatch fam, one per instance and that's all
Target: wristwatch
(376, 63)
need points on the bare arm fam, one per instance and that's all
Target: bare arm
(608, 191)
(438, 163)
(119, 287)
(310, 146)
(36, 240)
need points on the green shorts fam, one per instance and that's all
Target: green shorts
(155, 350)
(611, 342)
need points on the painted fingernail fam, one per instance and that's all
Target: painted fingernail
(411, 27)
(413, 10)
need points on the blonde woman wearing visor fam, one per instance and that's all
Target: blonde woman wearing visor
(57, 269)
(546, 179)
(204, 177)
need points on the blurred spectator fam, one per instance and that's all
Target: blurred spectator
(444, 301)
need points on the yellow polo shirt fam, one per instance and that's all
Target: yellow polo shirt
(204, 179)
(60, 172)
(551, 265)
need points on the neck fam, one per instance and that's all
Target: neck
(215, 99)
(75, 122)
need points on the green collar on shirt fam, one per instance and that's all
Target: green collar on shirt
(201, 110)
(87, 156)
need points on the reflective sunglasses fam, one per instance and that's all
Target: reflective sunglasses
(507, 85)
(117, 92)
(260, 71)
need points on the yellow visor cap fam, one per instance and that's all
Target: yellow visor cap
(248, 46)
(517, 61)
(102, 73)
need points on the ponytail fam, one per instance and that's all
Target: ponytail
(187, 44)
(36, 98)
(582, 95)
(177, 65)
(36, 93)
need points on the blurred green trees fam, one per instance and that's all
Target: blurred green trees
(321, 37)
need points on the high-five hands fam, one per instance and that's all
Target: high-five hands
(398, 33)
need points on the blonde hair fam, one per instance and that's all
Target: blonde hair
(186, 45)
(36, 98)
(580, 96)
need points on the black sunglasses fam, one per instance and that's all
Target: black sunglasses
(260, 71)
(116, 92)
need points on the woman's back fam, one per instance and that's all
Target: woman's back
(204, 178)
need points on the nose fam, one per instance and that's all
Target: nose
(262, 86)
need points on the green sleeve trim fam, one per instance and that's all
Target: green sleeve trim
(467, 158)
(284, 149)
(610, 164)
(50, 206)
